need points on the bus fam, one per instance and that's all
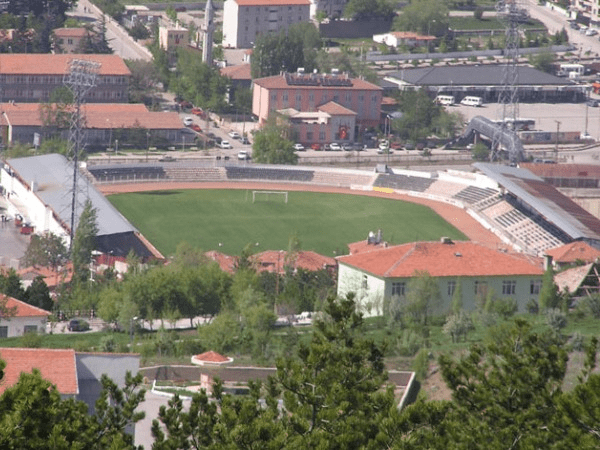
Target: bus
(571, 70)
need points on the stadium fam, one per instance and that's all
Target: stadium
(504, 207)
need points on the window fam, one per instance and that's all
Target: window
(311, 96)
(535, 287)
(309, 135)
(30, 329)
(451, 287)
(480, 287)
(509, 287)
(321, 135)
(398, 288)
(3, 331)
(365, 283)
(274, 97)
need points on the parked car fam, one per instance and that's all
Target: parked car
(384, 151)
(234, 135)
(243, 155)
(245, 141)
(78, 325)
(225, 145)
(326, 147)
(383, 146)
(347, 147)
(591, 32)
(188, 121)
(593, 103)
(196, 127)
(315, 147)
(298, 147)
(334, 146)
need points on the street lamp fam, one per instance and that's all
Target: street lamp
(133, 319)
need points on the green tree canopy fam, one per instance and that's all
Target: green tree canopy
(424, 17)
(272, 144)
(84, 242)
(362, 9)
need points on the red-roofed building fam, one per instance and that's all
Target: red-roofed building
(69, 40)
(55, 365)
(226, 263)
(26, 318)
(338, 106)
(52, 278)
(406, 38)
(19, 122)
(246, 19)
(32, 77)
(384, 273)
(573, 253)
(276, 261)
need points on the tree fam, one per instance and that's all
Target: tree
(56, 113)
(549, 297)
(10, 284)
(423, 296)
(84, 242)
(332, 398)
(480, 152)
(457, 298)
(272, 144)
(543, 61)
(363, 9)
(46, 250)
(424, 17)
(418, 115)
(38, 294)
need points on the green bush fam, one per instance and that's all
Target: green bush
(108, 344)
(506, 308)
(31, 340)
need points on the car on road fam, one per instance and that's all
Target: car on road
(224, 145)
(234, 135)
(298, 147)
(243, 155)
(335, 147)
(188, 121)
(78, 325)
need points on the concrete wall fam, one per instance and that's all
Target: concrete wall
(355, 28)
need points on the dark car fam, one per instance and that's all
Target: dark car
(78, 325)
(593, 103)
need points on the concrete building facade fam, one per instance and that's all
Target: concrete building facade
(244, 20)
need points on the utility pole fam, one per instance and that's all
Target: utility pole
(556, 149)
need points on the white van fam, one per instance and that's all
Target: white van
(445, 100)
(471, 101)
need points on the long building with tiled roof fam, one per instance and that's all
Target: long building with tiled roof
(386, 272)
(33, 77)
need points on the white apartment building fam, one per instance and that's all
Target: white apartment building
(244, 20)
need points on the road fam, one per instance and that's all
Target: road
(118, 39)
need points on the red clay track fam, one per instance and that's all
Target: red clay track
(452, 214)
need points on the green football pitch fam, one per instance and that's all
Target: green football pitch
(227, 220)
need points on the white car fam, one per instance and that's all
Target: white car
(591, 32)
(243, 155)
(225, 145)
(188, 121)
(234, 135)
(298, 147)
(335, 147)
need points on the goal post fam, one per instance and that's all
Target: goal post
(268, 193)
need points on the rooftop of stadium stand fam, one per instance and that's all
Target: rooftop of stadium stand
(53, 177)
(545, 199)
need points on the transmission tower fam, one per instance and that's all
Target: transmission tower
(511, 13)
(80, 79)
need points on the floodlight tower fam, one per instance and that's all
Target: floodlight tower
(80, 79)
(511, 13)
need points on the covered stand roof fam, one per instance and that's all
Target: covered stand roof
(545, 199)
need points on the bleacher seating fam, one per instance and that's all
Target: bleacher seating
(127, 173)
(474, 194)
(194, 173)
(342, 178)
(442, 188)
(403, 182)
(267, 173)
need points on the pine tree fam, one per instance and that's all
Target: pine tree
(84, 242)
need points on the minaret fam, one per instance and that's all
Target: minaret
(207, 33)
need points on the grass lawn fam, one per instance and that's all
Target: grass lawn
(325, 223)
(487, 23)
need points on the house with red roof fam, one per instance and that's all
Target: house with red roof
(276, 261)
(573, 253)
(21, 318)
(383, 273)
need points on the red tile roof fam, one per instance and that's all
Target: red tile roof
(23, 309)
(212, 356)
(70, 32)
(335, 109)
(97, 115)
(570, 253)
(239, 72)
(280, 82)
(56, 365)
(365, 246)
(51, 278)
(271, 2)
(50, 64)
(275, 260)
(563, 170)
(226, 262)
(458, 259)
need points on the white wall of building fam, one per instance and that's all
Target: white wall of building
(16, 325)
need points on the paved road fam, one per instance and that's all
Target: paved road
(118, 39)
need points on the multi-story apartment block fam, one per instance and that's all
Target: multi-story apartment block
(244, 20)
(33, 77)
(340, 107)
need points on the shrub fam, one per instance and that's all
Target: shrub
(590, 306)
(577, 342)
(31, 340)
(556, 320)
(506, 308)
(421, 364)
(532, 306)
(457, 326)
(108, 344)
